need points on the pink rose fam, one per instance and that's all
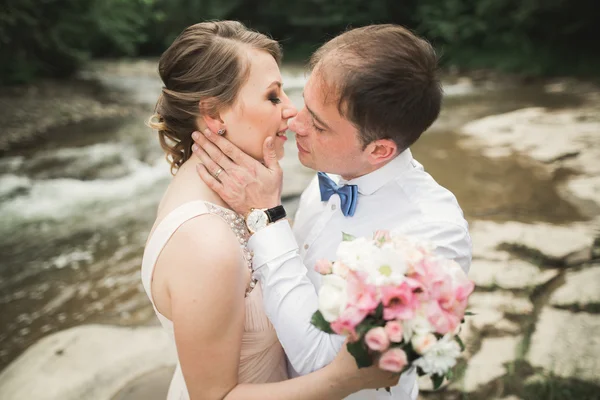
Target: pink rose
(381, 237)
(394, 331)
(393, 360)
(360, 294)
(347, 322)
(323, 267)
(399, 302)
(377, 340)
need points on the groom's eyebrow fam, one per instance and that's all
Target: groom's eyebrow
(315, 116)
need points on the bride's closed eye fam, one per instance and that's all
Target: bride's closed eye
(274, 99)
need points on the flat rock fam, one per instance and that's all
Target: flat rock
(545, 135)
(488, 363)
(508, 274)
(580, 288)
(499, 301)
(86, 362)
(551, 240)
(567, 344)
(585, 187)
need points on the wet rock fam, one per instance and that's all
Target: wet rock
(585, 188)
(581, 289)
(90, 361)
(543, 134)
(551, 241)
(499, 301)
(12, 186)
(488, 363)
(567, 344)
(509, 274)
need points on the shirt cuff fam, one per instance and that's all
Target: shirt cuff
(271, 242)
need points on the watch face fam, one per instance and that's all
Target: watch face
(257, 219)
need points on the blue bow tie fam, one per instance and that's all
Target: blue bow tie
(348, 193)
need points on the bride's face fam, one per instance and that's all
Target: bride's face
(261, 109)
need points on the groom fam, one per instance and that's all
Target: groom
(372, 92)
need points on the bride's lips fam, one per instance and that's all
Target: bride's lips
(281, 134)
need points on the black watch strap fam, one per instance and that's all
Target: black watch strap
(276, 213)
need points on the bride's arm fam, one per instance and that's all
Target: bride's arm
(206, 286)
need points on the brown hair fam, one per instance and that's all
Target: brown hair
(384, 79)
(205, 63)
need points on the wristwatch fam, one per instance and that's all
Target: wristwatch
(259, 218)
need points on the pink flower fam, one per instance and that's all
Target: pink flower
(393, 360)
(399, 302)
(394, 331)
(381, 237)
(377, 340)
(347, 322)
(448, 300)
(323, 267)
(360, 294)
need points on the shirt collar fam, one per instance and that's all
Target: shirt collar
(373, 181)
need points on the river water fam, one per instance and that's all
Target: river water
(75, 209)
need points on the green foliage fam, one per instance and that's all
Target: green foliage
(54, 37)
(320, 322)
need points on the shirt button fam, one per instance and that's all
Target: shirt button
(332, 207)
(305, 247)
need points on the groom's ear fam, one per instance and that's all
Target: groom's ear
(381, 151)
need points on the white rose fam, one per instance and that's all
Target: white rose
(340, 269)
(332, 297)
(422, 343)
(419, 325)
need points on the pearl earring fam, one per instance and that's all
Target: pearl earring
(221, 132)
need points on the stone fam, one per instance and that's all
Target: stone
(488, 363)
(508, 274)
(484, 304)
(585, 187)
(567, 344)
(581, 288)
(545, 135)
(86, 362)
(553, 241)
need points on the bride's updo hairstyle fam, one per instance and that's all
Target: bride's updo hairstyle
(207, 62)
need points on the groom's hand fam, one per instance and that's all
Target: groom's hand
(240, 180)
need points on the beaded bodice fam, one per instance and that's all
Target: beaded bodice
(238, 226)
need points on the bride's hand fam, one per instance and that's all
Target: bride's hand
(362, 378)
(240, 180)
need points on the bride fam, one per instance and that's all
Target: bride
(196, 267)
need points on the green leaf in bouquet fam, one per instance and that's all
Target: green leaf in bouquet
(469, 313)
(460, 342)
(437, 381)
(360, 353)
(320, 322)
(379, 312)
(450, 374)
(346, 237)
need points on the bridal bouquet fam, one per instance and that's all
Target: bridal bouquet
(398, 304)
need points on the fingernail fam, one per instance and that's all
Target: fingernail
(195, 135)
(207, 132)
(194, 147)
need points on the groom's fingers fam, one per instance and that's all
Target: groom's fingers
(204, 147)
(227, 148)
(209, 179)
(212, 167)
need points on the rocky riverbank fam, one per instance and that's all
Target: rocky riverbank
(537, 301)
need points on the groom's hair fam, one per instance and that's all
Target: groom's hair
(384, 80)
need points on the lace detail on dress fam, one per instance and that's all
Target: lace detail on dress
(238, 226)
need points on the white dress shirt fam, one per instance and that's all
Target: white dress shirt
(399, 196)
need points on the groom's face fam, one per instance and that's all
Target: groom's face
(326, 140)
